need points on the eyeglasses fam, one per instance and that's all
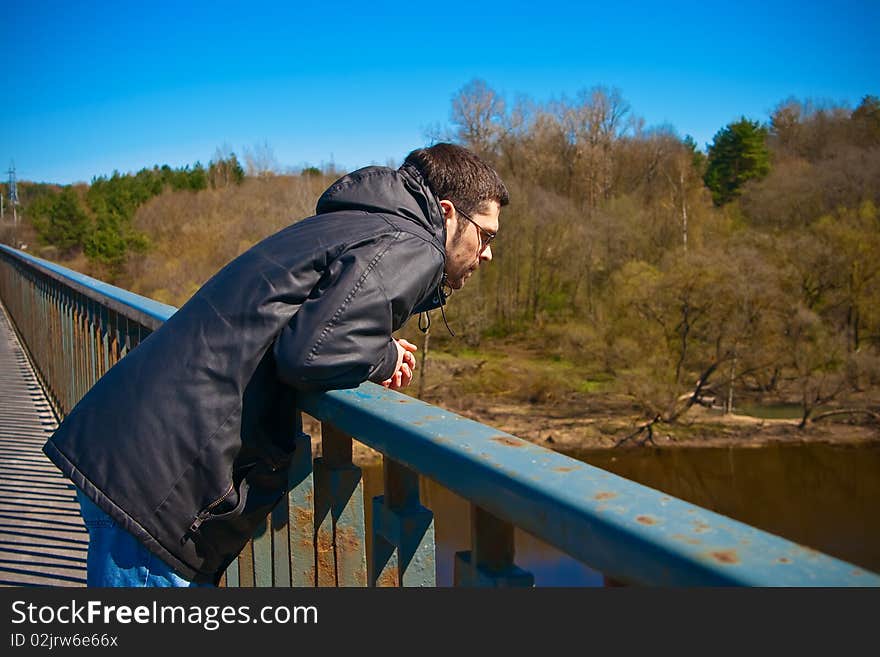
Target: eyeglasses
(485, 236)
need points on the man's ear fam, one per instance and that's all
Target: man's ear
(448, 212)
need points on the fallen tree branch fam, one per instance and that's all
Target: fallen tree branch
(848, 411)
(694, 396)
(647, 429)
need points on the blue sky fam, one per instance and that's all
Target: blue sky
(95, 86)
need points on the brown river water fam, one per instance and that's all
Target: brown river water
(821, 495)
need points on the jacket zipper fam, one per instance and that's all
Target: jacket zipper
(204, 514)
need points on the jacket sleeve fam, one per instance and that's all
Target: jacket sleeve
(341, 336)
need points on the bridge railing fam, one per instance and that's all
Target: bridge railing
(75, 328)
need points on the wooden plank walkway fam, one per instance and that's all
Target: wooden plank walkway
(42, 538)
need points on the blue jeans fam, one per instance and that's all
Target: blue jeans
(116, 558)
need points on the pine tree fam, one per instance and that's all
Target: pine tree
(738, 154)
(68, 222)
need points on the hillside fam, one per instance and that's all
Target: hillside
(637, 282)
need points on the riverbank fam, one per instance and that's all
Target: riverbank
(551, 402)
(570, 428)
(564, 428)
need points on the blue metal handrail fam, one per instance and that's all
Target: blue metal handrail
(613, 524)
(627, 531)
(149, 312)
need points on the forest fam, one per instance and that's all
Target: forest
(634, 272)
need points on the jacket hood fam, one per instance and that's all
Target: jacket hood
(402, 192)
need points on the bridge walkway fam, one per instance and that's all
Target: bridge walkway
(42, 538)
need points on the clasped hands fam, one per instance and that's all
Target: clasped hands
(406, 363)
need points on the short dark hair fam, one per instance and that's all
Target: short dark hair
(459, 175)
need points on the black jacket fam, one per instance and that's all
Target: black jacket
(185, 441)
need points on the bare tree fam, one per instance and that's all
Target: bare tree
(478, 112)
(596, 122)
(260, 160)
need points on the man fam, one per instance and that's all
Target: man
(181, 449)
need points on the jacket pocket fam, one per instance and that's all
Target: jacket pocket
(230, 504)
(221, 530)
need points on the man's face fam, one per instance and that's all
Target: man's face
(467, 248)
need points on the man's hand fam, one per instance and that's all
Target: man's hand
(403, 370)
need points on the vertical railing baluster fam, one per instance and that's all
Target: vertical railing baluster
(125, 339)
(262, 547)
(99, 364)
(490, 561)
(61, 353)
(246, 576)
(47, 364)
(60, 344)
(112, 357)
(133, 333)
(301, 514)
(52, 344)
(71, 348)
(282, 520)
(81, 383)
(61, 363)
(93, 350)
(325, 555)
(85, 353)
(280, 534)
(52, 332)
(403, 532)
(74, 379)
(43, 331)
(70, 395)
(74, 388)
(232, 574)
(339, 512)
(117, 337)
(105, 343)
